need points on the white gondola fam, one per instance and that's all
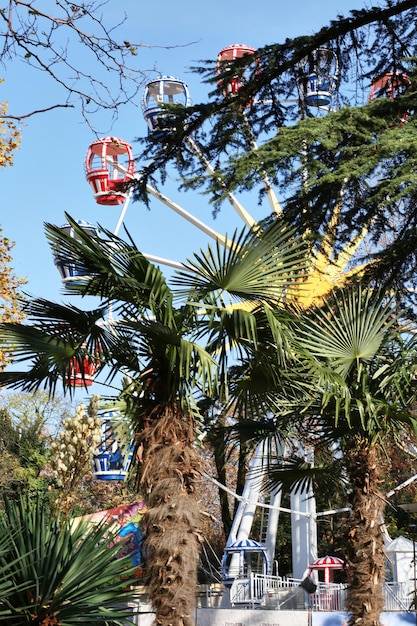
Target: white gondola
(163, 90)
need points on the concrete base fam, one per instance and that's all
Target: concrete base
(236, 617)
(143, 616)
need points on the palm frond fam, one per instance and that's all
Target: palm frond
(264, 263)
(295, 474)
(115, 270)
(362, 367)
(52, 342)
(348, 330)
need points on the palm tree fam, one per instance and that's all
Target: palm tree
(172, 344)
(363, 360)
(358, 363)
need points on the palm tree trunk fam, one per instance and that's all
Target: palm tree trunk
(168, 473)
(365, 541)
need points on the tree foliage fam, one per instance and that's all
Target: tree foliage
(9, 136)
(73, 451)
(10, 290)
(27, 422)
(356, 161)
(38, 437)
(10, 284)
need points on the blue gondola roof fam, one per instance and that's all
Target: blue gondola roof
(245, 545)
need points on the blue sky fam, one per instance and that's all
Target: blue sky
(48, 178)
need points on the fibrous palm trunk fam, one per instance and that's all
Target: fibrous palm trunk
(365, 540)
(169, 473)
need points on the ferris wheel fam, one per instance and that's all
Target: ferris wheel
(110, 164)
(110, 167)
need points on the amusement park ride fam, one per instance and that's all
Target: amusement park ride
(110, 166)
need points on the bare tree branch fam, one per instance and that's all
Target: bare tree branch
(25, 115)
(108, 75)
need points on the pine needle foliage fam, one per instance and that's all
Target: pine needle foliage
(358, 158)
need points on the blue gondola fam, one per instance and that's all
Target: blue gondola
(112, 462)
(163, 90)
(73, 275)
(241, 565)
(319, 78)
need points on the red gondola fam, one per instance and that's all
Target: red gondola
(109, 166)
(390, 85)
(327, 565)
(82, 375)
(227, 55)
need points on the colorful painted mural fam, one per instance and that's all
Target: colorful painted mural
(126, 524)
(129, 521)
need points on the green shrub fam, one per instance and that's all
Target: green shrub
(54, 572)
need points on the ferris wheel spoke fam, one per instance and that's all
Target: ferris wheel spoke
(240, 210)
(174, 206)
(167, 262)
(270, 193)
(188, 216)
(123, 211)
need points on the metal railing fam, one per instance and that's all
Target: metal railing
(279, 593)
(275, 592)
(397, 597)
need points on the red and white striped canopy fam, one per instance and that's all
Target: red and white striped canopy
(328, 562)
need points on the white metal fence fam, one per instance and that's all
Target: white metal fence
(275, 592)
(279, 593)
